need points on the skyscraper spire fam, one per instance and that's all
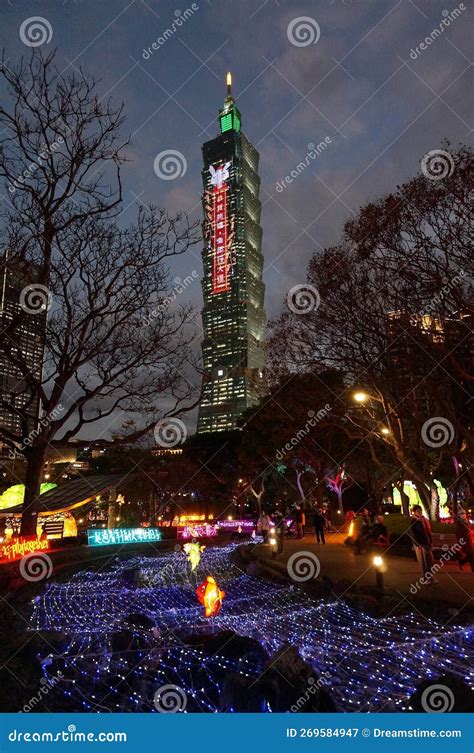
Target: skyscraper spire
(229, 84)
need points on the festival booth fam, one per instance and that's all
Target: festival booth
(55, 518)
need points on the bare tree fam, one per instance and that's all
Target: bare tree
(116, 348)
(396, 317)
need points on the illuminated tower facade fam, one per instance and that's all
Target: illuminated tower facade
(233, 315)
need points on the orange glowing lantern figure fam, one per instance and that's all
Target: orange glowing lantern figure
(210, 596)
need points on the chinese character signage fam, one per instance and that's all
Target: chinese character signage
(195, 531)
(16, 548)
(232, 525)
(106, 536)
(221, 239)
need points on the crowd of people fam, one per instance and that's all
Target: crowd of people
(365, 530)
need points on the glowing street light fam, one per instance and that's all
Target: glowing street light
(384, 430)
(360, 397)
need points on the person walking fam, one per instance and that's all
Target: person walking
(279, 532)
(420, 532)
(319, 522)
(265, 527)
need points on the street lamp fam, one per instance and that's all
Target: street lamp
(360, 397)
(384, 430)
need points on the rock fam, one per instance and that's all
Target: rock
(290, 684)
(138, 620)
(130, 577)
(234, 647)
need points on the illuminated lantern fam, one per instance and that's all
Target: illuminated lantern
(193, 552)
(210, 596)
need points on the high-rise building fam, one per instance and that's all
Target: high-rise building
(233, 315)
(20, 349)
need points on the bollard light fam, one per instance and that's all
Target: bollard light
(379, 568)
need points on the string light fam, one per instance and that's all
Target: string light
(124, 640)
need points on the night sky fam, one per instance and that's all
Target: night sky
(353, 83)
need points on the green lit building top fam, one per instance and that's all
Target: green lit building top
(233, 315)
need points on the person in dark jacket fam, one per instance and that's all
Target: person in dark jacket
(370, 534)
(319, 522)
(420, 532)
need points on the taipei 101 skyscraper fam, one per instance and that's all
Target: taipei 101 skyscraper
(233, 315)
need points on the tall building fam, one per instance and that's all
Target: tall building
(18, 402)
(233, 315)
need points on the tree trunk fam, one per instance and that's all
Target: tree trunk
(31, 503)
(112, 508)
(434, 506)
(300, 487)
(339, 494)
(425, 497)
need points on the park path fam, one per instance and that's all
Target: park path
(339, 562)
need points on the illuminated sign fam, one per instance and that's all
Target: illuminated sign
(226, 122)
(234, 524)
(105, 536)
(196, 531)
(221, 240)
(16, 548)
(230, 120)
